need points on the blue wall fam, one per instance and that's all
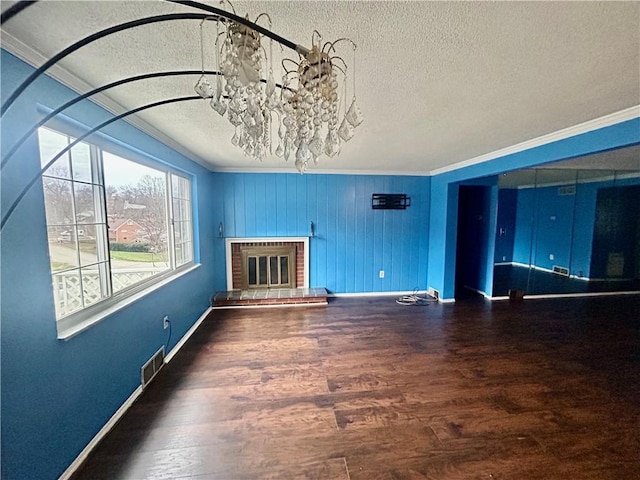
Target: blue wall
(524, 226)
(56, 395)
(353, 242)
(444, 190)
(506, 224)
(554, 228)
(582, 240)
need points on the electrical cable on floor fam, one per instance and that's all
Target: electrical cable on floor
(415, 299)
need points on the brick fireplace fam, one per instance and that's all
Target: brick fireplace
(237, 248)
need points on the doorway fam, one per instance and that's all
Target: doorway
(473, 246)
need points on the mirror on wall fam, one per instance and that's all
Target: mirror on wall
(570, 227)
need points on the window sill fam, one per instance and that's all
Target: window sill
(78, 324)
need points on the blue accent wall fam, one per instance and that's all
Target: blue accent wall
(353, 242)
(56, 395)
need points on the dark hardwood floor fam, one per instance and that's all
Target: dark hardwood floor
(368, 389)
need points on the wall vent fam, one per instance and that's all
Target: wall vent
(567, 190)
(561, 270)
(152, 367)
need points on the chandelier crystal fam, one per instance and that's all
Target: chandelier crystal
(305, 110)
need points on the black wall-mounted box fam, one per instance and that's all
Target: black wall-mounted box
(390, 201)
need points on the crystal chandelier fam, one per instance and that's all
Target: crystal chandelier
(304, 113)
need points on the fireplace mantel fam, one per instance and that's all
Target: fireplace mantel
(229, 242)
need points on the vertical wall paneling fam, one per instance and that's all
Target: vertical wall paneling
(361, 206)
(228, 220)
(319, 253)
(353, 242)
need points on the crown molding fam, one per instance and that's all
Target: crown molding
(588, 126)
(34, 58)
(322, 171)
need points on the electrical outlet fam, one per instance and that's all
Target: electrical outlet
(165, 322)
(551, 256)
(381, 273)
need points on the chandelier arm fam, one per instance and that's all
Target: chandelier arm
(36, 177)
(222, 2)
(287, 72)
(265, 14)
(343, 63)
(344, 72)
(89, 39)
(144, 21)
(343, 39)
(79, 98)
(15, 9)
(316, 32)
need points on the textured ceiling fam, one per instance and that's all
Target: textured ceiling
(438, 82)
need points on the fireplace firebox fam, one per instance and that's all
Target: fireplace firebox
(267, 263)
(268, 267)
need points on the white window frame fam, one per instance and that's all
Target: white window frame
(78, 321)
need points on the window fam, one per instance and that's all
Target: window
(114, 225)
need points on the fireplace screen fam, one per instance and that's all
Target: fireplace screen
(268, 267)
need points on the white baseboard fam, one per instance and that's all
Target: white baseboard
(484, 294)
(80, 459)
(377, 294)
(390, 294)
(447, 300)
(68, 473)
(186, 336)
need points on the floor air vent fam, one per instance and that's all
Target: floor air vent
(152, 367)
(561, 270)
